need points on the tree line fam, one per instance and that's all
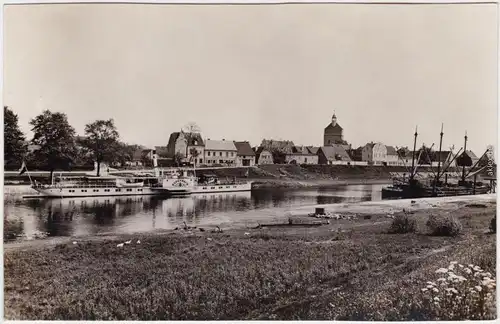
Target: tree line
(57, 146)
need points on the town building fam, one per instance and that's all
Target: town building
(222, 153)
(333, 154)
(356, 154)
(301, 155)
(333, 133)
(375, 153)
(392, 157)
(263, 156)
(192, 152)
(245, 156)
(467, 159)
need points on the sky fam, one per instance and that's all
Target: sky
(259, 71)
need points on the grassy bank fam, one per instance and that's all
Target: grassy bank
(358, 272)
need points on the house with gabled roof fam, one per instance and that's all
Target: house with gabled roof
(188, 145)
(263, 156)
(467, 158)
(333, 153)
(392, 157)
(245, 156)
(222, 153)
(375, 153)
(301, 155)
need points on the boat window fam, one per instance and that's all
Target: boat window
(139, 189)
(220, 187)
(212, 188)
(129, 189)
(84, 190)
(106, 190)
(118, 190)
(204, 187)
(228, 186)
(96, 190)
(234, 186)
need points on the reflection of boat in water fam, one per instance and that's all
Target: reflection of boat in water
(435, 186)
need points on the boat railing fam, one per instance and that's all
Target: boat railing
(78, 185)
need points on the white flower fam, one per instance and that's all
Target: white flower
(468, 271)
(424, 289)
(460, 278)
(476, 268)
(453, 262)
(442, 270)
(435, 290)
(461, 265)
(436, 298)
(478, 288)
(471, 266)
(441, 279)
(430, 286)
(487, 274)
(431, 283)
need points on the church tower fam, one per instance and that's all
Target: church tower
(334, 119)
(333, 133)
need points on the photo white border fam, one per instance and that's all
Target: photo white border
(246, 2)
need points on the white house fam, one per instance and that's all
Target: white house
(220, 152)
(374, 152)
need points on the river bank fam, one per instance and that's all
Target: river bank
(335, 271)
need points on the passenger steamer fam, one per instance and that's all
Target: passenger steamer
(166, 182)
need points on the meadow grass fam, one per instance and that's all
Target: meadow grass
(308, 274)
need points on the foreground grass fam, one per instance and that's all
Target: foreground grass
(365, 274)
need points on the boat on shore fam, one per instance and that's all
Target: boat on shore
(412, 187)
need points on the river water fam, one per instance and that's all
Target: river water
(88, 216)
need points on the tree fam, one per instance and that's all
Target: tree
(194, 154)
(101, 139)
(14, 140)
(178, 158)
(403, 151)
(190, 132)
(55, 139)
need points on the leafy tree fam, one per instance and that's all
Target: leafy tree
(14, 140)
(178, 158)
(193, 152)
(190, 132)
(403, 152)
(55, 139)
(101, 139)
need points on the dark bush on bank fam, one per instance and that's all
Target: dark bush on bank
(444, 225)
(402, 224)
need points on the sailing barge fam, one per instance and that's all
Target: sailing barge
(412, 187)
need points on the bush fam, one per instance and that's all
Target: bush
(403, 224)
(493, 225)
(444, 225)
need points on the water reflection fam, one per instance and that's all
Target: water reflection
(81, 216)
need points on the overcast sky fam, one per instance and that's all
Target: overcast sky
(262, 71)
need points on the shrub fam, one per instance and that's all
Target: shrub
(460, 292)
(444, 225)
(493, 225)
(403, 224)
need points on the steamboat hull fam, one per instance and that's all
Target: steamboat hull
(222, 188)
(98, 192)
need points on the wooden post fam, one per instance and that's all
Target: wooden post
(474, 187)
